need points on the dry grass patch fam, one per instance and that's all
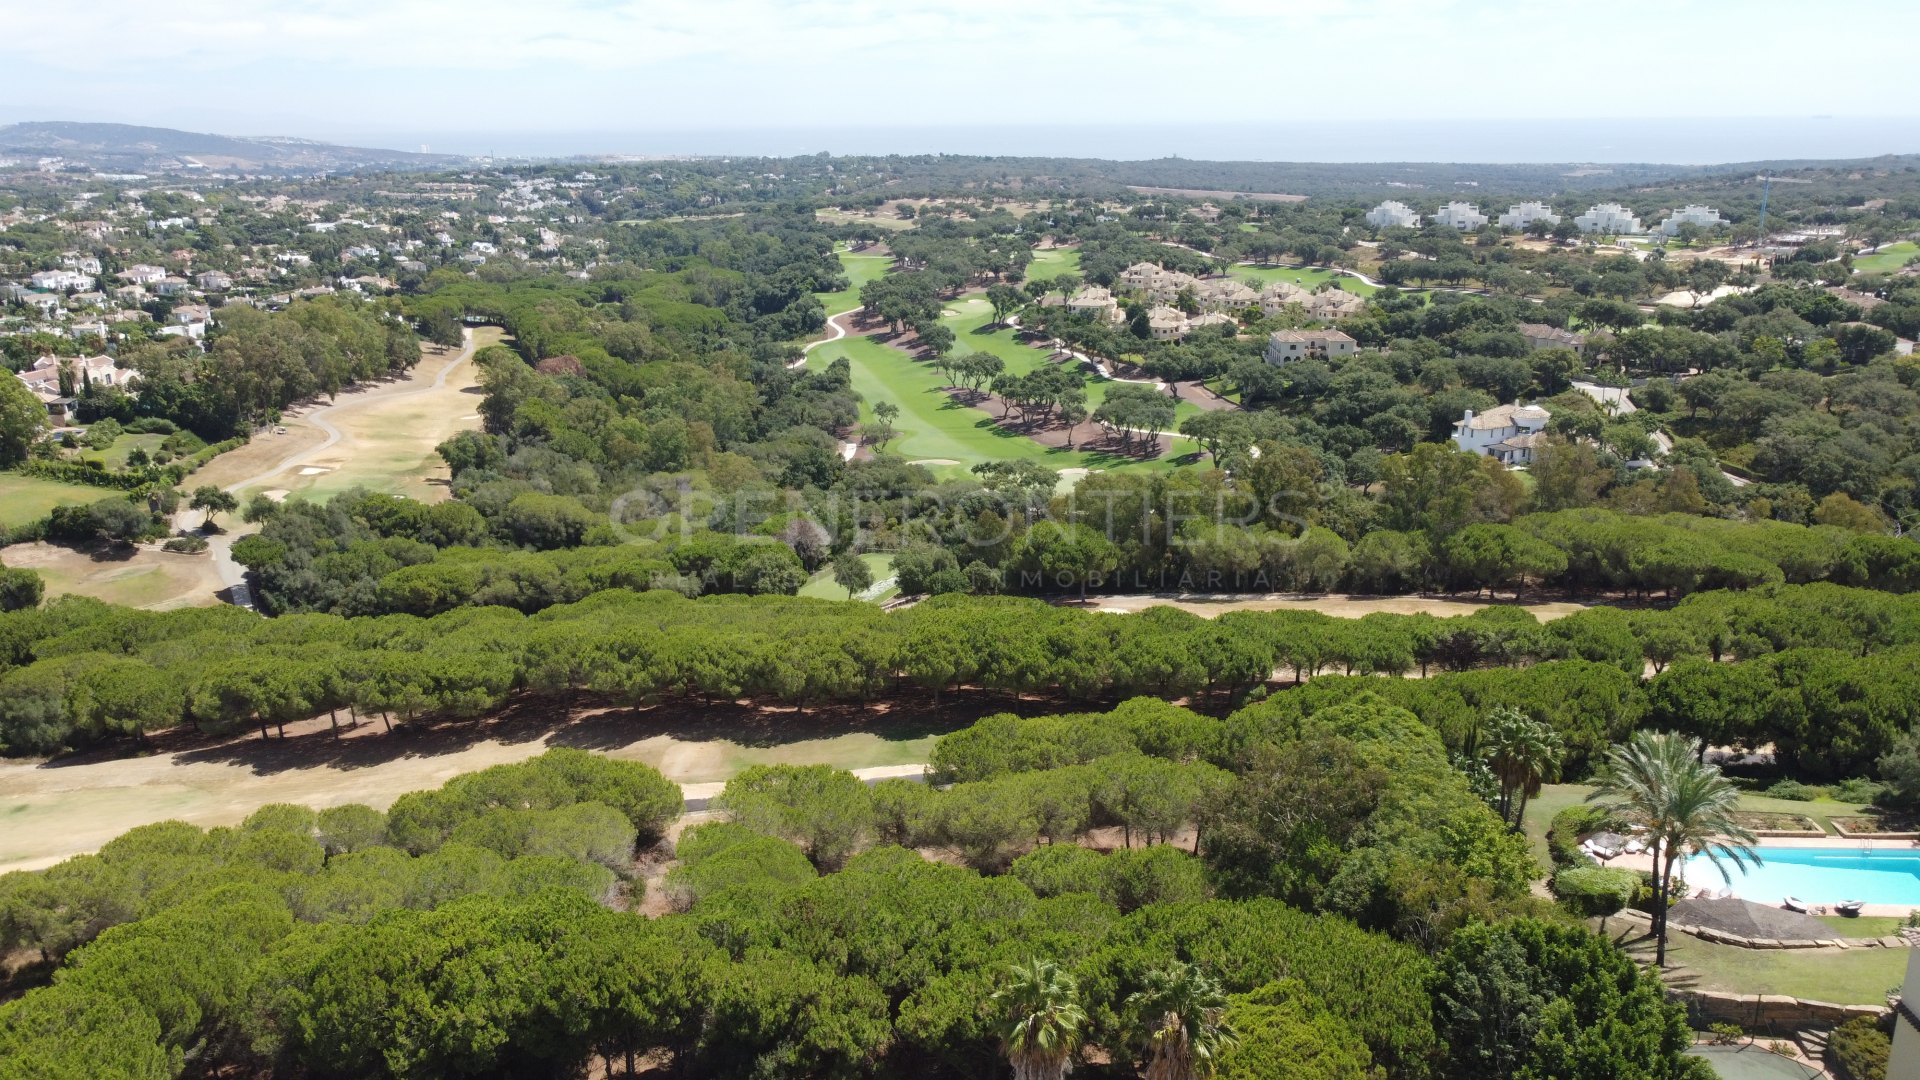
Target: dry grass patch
(139, 577)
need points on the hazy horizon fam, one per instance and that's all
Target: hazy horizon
(1519, 140)
(1676, 141)
(1332, 80)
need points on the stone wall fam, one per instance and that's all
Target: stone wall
(1766, 1012)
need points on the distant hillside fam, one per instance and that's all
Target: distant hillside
(151, 149)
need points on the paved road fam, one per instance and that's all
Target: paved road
(836, 329)
(234, 576)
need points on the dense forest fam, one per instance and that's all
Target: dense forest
(1295, 834)
(486, 926)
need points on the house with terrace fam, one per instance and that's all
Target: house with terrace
(1507, 433)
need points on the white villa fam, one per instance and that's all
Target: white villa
(62, 279)
(1460, 215)
(43, 378)
(1706, 217)
(1521, 215)
(1287, 346)
(1610, 218)
(1506, 433)
(1393, 212)
(1541, 336)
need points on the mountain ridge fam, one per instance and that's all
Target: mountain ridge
(159, 149)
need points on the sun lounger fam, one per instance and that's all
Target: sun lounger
(1849, 908)
(1794, 903)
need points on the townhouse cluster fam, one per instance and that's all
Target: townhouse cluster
(1607, 218)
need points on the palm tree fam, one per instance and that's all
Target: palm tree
(1687, 807)
(1044, 1020)
(1177, 1016)
(1523, 753)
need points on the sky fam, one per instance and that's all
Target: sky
(690, 74)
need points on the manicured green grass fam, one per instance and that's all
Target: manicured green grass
(1308, 278)
(933, 425)
(1853, 977)
(855, 750)
(860, 270)
(821, 584)
(1887, 259)
(115, 456)
(1552, 799)
(969, 324)
(1052, 262)
(29, 498)
(1863, 926)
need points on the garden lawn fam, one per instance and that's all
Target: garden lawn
(1052, 262)
(29, 498)
(115, 456)
(1310, 277)
(860, 269)
(1554, 798)
(1887, 259)
(1851, 977)
(1863, 926)
(821, 584)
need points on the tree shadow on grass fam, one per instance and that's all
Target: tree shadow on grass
(590, 724)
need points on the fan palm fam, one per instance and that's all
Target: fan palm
(1687, 807)
(1178, 1016)
(1523, 753)
(1044, 1020)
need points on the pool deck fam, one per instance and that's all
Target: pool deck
(1896, 911)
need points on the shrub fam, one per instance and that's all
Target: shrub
(1595, 891)
(1859, 790)
(185, 545)
(1563, 836)
(1858, 1050)
(151, 425)
(1795, 790)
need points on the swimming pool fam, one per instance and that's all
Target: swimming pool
(1818, 875)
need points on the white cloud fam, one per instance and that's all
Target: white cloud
(582, 64)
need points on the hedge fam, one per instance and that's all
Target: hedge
(1595, 891)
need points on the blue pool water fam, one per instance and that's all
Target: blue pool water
(1818, 875)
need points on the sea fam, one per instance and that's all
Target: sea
(1665, 141)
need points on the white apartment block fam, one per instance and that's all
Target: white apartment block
(1706, 217)
(1521, 215)
(1393, 213)
(1610, 218)
(1465, 217)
